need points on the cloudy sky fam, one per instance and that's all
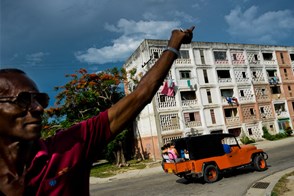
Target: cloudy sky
(51, 38)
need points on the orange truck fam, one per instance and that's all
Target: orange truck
(212, 155)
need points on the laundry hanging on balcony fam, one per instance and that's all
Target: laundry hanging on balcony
(232, 100)
(168, 90)
(189, 83)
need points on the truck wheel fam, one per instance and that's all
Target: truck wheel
(259, 163)
(188, 177)
(211, 174)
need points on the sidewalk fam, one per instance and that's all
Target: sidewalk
(260, 188)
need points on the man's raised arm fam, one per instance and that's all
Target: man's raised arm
(130, 106)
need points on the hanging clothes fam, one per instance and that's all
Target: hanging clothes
(168, 91)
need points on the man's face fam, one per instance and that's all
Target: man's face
(17, 123)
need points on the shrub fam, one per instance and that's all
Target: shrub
(288, 131)
(271, 137)
(246, 140)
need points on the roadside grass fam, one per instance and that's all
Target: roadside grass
(107, 169)
(281, 186)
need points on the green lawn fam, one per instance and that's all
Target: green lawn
(107, 170)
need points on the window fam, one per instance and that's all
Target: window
(271, 73)
(267, 56)
(202, 57)
(285, 72)
(242, 93)
(289, 88)
(234, 57)
(276, 90)
(205, 76)
(185, 74)
(293, 105)
(282, 58)
(209, 96)
(155, 55)
(263, 91)
(292, 57)
(223, 74)
(255, 57)
(188, 95)
(184, 54)
(262, 110)
(213, 121)
(227, 92)
(250, 131)
(243, 74)
(192, 116)
(162, 98)
(251, 111)
(220, 55)
(254, 74)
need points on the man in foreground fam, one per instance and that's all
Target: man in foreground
(60, 165)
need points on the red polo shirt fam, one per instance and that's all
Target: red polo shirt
(63, 162)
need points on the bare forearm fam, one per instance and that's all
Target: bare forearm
(127, 108)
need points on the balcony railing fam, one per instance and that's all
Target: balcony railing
(189, 102)
(193, 124)
(232, 120)
(225, 80)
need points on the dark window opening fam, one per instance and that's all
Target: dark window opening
(184, 54)
(276, 90)
(205, 76)
(251, 111)
(227, 92)
(271, 73)
(282, 58)
(185, 74)
(242, 93)
(254, 74)
(155, 55)
(289, 88)
(293, 105)
(162, 98)
(234, 57)
(244, 74)
(213, 120)
(220, 55)
(202, 57)
(230, 112)
(285, 72)
(250, 131)
(209, 96)
(256, 57)
(223, 74)
(262, 110)
(292, 57)
(188, 95)
(267, 56)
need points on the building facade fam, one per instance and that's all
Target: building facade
(212, 88)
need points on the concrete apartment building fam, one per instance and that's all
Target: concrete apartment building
(214, 87)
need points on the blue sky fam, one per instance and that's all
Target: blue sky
(51, 38)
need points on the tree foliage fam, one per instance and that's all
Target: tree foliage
(83, 96)
(86, 94)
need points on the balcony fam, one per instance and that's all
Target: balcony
(232, 120)
(189, 102)
(193, 124)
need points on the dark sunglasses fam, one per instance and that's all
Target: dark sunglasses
(25, 99)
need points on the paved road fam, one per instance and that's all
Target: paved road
(280, 153)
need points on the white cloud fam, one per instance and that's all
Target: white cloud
(36, 58)
(268, 27)
(133, 33)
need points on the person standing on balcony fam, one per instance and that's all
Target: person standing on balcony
(60, 165)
